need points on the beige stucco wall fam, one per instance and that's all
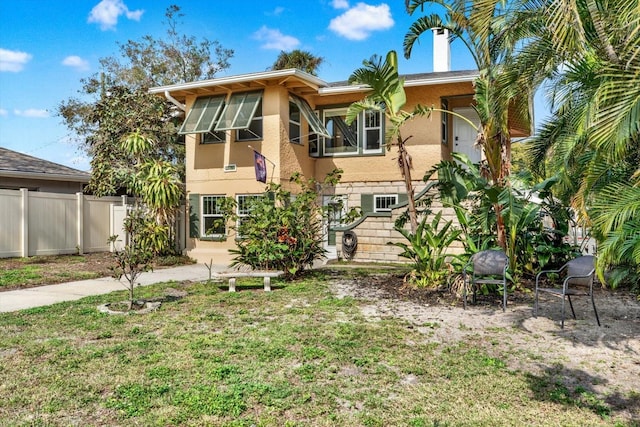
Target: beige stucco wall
(205, 162)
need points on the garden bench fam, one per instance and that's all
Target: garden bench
(265, 274)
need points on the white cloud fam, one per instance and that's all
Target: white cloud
(13, 60)
(3, 112)
(32, 112)
(76, 62)
(107, 12)
(340, 4)
(274, 39)
(276, 12)
(361, 20)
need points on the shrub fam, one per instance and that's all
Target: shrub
(284, 231)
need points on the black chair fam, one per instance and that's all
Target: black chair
(488, 267)
(578, 281)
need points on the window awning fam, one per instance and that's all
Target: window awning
(203, 115)
(314, 122)
(239, 111)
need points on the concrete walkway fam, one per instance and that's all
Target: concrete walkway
(50, 294)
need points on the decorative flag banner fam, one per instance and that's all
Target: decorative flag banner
(261, 167)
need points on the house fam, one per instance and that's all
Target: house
(19, 170)
(296, 121)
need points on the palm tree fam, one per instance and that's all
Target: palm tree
(482, 27)
(300, 59)
(590, 51)
(388, 96)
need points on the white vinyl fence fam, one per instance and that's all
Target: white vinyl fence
(37, 223)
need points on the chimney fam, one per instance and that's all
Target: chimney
(441, 50)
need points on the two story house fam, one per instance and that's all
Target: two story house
(297, 121)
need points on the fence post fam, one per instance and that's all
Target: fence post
(80, 231)
(24, 192)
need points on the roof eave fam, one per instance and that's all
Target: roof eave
(408, 83)
(45, 176)
(241, 78)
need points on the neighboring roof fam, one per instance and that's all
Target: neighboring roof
(302, 83)
(420, 79)
(18, 165)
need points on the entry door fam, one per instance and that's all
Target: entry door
(464, 135)
(336, 208)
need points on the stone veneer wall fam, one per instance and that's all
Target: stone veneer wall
(375, 231)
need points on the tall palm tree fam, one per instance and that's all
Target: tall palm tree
(590, 50)
(482, 26)
(300, 59)
(387, 95)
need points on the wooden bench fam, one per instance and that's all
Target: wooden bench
(266, 277)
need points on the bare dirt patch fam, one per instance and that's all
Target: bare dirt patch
(600, 361)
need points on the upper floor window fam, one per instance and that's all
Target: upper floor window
(363, 136)
(295, 134)
(254, 130)
(212, 117)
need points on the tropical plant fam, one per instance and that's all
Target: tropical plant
(481, 25)
(530, 244)
(387, 96)
(589, 54)
(158, 189)
(299, 59)
(427, 248)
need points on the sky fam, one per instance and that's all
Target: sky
(48, 46)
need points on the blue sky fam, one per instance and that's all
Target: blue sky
(49, 45)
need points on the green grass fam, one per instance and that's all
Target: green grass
(295, 356)
(19, 276)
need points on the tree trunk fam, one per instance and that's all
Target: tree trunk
(405, 166)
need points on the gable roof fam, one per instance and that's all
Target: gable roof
(19, 165)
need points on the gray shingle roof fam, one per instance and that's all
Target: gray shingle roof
(18, 163)
(423, 76)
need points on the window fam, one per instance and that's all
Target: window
(363, 136)
(383, 202)
(212, 218)
(254, 131)
(372, 131)
(240, 111)
(315, 125)
(243, 208)
(445, 122)
(342, 138)
(294, 123)
(314, 146)
(203, 115)
(214, 137)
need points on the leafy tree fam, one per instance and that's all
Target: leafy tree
(483, 26)
(300, 59)
(115, 102)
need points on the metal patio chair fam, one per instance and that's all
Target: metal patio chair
(578, 281)
(488, 267)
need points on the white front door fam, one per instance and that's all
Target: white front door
(336, 209)
(464, 135)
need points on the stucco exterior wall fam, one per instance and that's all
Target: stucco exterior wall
(369, 174)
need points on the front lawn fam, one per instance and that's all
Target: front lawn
(295, 356)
